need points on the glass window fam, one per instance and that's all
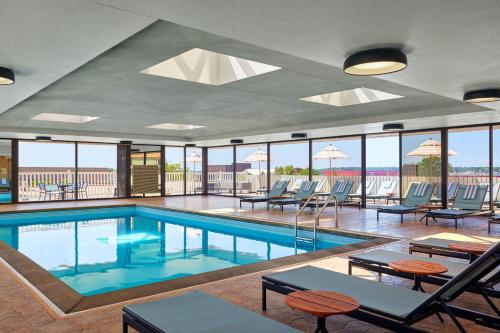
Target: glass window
(468, 158)
(5, 172)
(336, 159)
(496, 167)
(290, 161)
(220, 170)
(251, 168)
(194, 172)
(382, 165)
(422, 160)
(174, 170)
(145, 177)
(97, 171)
(46, 171)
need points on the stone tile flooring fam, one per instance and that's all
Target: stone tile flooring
(23, 311)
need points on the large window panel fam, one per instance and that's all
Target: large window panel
(382, 165)
(468, 158)
(251, 168)
(496, 166)
(336, 159)
(290, 161)
(97, 177)
(194, 172)
(220, 170)
(5, 171)
(145, 177)
(46, 171)
(174, 170)
(422, 160)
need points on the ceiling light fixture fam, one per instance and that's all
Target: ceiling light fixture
(375, 62)
(63, 118)
(299, 135)
(190, 145)
(236, 141)
(175, 127)
(393, 127)
(7, 76)
(43, 138)
(125, 142)
(482, 96)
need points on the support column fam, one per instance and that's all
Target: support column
(444, 168)
(363, 171)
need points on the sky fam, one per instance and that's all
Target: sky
(471, 147)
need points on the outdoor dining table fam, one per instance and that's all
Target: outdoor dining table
(64, 188)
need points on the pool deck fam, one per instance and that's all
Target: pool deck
(23, 311)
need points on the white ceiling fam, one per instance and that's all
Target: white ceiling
(452, 46)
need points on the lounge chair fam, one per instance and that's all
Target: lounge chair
(378, 261)
(305, 191)
(452, 193)
(391, 307)
(385, 191)
(277, 191)
(340, 190)
(370, 185)
(436, 246)
(320, 185)
(495, 219)
(469, 201)
(496, 191)
(197, 312)
(295, 186)
(418, 195)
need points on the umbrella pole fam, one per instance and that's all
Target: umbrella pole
(258, 181)
(330, 173)
(430, 169)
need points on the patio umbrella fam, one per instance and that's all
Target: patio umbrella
(330, 153)
(193, 158)
(429, 149)
(257, 156)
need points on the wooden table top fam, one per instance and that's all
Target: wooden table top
(474, 248)
(321, 303)
(418, 267)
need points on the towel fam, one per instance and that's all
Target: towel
(342, 186)
(421, 189)
(471, 192)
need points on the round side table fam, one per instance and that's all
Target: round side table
(418, 268)
(473, 249)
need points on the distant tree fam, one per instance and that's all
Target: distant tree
(285, 170)
(174, 167)
(423, 167)
(305, 172)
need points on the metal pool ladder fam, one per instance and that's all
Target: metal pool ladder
(317, 216)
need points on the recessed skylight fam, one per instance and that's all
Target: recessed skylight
(175, 127)
(202, 66)
(351, 97)
(64, 118)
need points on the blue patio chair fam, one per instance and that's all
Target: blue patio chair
(277, 191)
(340, 190)
(418, 195)
(469, 201)
(305, 191)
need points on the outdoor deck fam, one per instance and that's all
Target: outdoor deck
(23, 312)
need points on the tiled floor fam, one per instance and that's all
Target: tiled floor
(22, 311)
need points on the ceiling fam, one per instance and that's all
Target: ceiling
(84, 58)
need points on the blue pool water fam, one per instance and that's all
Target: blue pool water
(100, 250)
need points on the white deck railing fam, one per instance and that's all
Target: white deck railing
(104, 184)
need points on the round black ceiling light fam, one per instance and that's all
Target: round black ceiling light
(236, 141)
(299, 135)
(375, 62)
(43, 138)
(190, 145)
(482, 96)
(7, 76)
(125, 142)
(393, 127)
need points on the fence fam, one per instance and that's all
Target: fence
(104, 184)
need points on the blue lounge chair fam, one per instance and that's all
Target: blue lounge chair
(197, 312)
(469, 201)
(452, 193)
(340, 190)
(305, 191)
(388, 306)
(418, 195)
(277, 191)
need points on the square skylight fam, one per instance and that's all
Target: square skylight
(64, 118)
(175, 127)
(202, 66)
(351, 97)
